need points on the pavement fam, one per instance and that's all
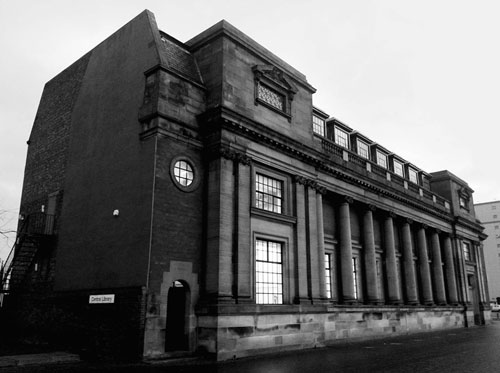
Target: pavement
(38, 359)
(474, 349)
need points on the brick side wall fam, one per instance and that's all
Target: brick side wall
(49, 139)
(67, 321)
(109, 168)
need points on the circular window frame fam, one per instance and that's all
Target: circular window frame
(196, 178)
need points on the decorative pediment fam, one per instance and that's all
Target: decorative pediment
(274, 89)
(276, 75)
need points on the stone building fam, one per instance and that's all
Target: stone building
(488, 213)
(188, 197)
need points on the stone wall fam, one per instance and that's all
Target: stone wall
(238, 335)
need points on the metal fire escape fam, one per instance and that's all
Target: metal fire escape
(34, 233)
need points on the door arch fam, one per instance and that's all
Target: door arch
(177, 327)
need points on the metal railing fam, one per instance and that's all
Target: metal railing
(37, 224)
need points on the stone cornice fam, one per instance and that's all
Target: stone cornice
(231, 154)
(221, 117)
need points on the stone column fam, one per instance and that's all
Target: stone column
(437, 269)
(321, 242)
(244, 248)
(409, 264)
(449, 268)
(301, 259)
(346, 252)
(370, 261)
(462, 273)
(480, 272)
(393, 296)
(219, 260)
(313, 261)
(425, 273)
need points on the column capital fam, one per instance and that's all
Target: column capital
(371, 207)
(234, 156)
(300, 179)
(391, 214)
(424, 226)
(348, 199)
(437, 230)
(409, 221)
(321, 190)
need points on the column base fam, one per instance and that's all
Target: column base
(302, 300)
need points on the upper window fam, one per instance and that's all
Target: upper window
(341, 138)
(363, 149)
(268, 193)
(318, 125)
(274, 89)
(467, 252)
(268, 272)
(184, 174)
(271, 97)
(463, 202)
(413, 175)
(398, 168)
(381, 159)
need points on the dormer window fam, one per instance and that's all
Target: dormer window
(381, 159)
(398, 168)
(363, 149)
(318, 125)
(413, 175)
(341, 137)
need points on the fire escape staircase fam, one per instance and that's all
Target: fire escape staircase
(34, 232)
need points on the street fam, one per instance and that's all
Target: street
(460, 350)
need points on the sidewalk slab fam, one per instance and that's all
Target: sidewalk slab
(38, 359)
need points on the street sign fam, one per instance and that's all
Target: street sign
(101, 299)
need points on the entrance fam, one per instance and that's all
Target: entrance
(177, 329)
(474, 297)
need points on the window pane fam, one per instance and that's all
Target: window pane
(413, 176)
(355, 276)
(268, 194)
(341, 138)
(363, 149)
(398, 168)
(318, 125)
(328, 275)
(268, 272)
(183, 173)
(271, 97)
(381, 159)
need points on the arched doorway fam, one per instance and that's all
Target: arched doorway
(177, 328)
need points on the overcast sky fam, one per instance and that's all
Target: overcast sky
(421, 78)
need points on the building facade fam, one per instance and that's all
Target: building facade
(488, 213)
(188, 197)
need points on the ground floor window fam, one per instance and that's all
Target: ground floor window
(268, 272)
(328, 274)
(355, 276)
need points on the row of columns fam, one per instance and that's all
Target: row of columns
(432, 279)
(229, 277)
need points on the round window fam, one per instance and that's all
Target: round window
(184, 174)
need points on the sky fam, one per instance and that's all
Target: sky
(421, 78)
